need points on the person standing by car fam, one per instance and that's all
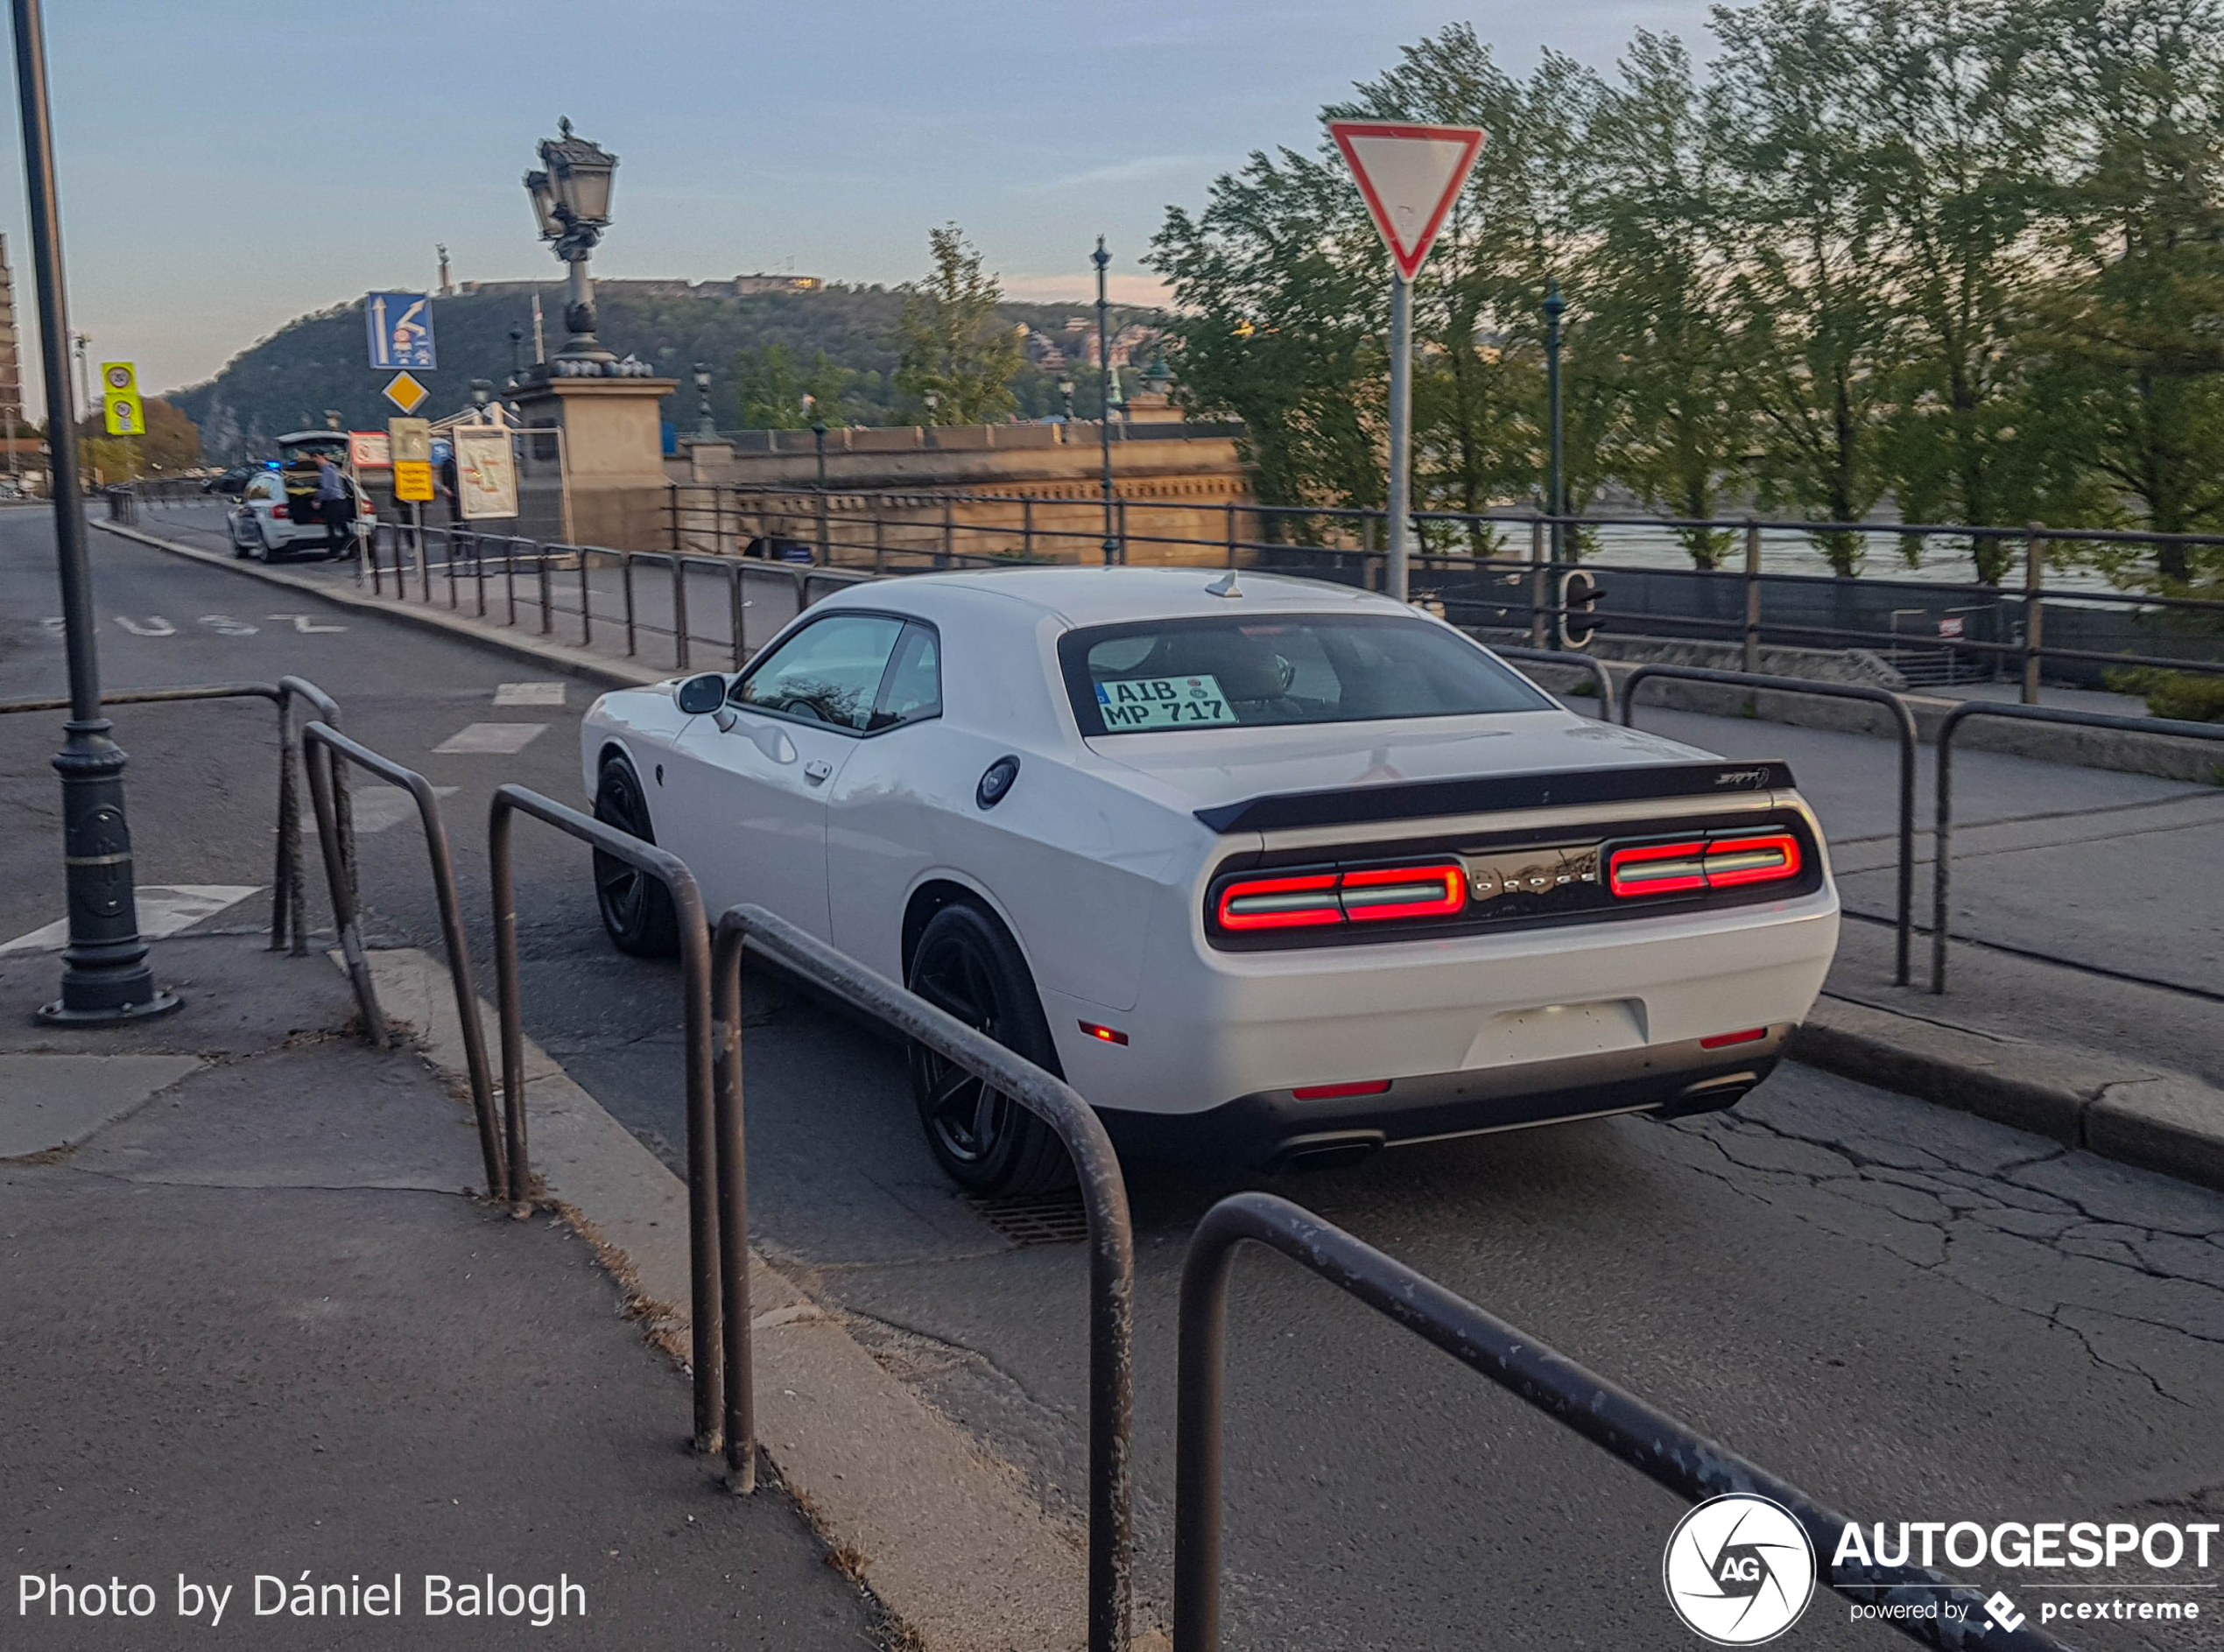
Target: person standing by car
(333, 505)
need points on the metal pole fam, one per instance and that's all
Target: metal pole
(1555, 481)
(1536, 583)
(105, 975)
(2034, 613)
(1752, 594)
(1401, 438)
(1103, 261)
(819, 435)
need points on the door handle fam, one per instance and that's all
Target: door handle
(815, 771)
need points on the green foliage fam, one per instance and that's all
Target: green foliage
(770, 394)
(958, 355)
(1962, 260)
(2194, 697)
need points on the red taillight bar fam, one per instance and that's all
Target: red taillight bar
(1658, 868)
(1719, 864)
(1327, 1092)
(1280, 903)
(1765, 859)
(1404, 891)
(1437, 889)
(1724, 1040)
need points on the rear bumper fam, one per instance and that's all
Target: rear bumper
(1273, 1128)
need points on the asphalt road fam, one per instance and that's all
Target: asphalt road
(1915, 1315)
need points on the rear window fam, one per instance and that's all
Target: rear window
(1267, 673)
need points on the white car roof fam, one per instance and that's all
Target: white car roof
(1106, 596)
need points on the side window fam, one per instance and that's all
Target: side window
(913, 691)
(828, 672)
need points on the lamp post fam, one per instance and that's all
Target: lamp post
(571, 198)
(1555, 487)
(1102, 260)
(818, 438)
(105, 977)
(517, 354)
(1065, 398)
(705, 421)
(482, 394)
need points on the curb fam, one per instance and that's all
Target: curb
(945, 1534)
(2156, 1121)
(598, 668)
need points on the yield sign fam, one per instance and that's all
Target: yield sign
(1409, 175)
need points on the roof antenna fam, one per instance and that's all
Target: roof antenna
(1225, 586)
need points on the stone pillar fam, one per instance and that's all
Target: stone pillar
(615, 490)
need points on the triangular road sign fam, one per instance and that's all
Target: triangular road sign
(1409, 176)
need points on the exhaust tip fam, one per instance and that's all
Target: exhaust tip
(1328, 1152)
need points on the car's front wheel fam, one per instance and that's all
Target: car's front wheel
(637, 908)
(989, 1143)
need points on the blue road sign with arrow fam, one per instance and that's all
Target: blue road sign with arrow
(400, 325)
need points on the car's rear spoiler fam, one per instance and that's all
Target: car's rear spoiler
(1494, 794)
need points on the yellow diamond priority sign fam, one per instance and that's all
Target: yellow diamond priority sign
(405, 392)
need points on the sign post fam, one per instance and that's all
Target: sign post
(1409, 177)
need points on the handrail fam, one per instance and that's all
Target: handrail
(1104, 1195)
(1904, 726)
(340, 861)
(288, 916)
(1550, 656)
(510, 800)
(1650, 1441)
(1943, 832)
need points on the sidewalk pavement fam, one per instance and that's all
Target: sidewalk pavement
(2129, 1071)
(256, 1326)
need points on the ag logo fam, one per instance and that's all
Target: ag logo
(1739, 1569)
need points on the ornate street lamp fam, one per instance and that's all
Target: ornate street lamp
(570, 201)
(1102, 260)
(1065, 398)
(481, 393)
(705, 421)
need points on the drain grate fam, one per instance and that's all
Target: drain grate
(1043, 1219)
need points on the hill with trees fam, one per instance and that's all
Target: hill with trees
(841, 344)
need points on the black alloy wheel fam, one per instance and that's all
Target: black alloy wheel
(987, 1142)
(637, 908)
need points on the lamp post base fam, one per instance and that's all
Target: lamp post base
(58, 1014)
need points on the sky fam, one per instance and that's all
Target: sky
(228, 164)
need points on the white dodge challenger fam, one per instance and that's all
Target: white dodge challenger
(1274, 872)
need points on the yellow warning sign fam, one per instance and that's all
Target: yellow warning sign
(407, 393)
(412, 480)
(120, 405)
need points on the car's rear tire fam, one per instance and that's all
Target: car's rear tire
(985, 1142)
(636, 908)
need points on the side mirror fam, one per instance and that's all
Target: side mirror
(701, 694)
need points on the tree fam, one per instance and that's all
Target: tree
(169, 445)
(953, 345)
(771, 395)
(1658, 276)
(1815, 313)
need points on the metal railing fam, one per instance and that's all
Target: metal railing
(1904, 726)
(1104, 1195)
(1600, 677)
(320, 746)
(1943, 848)
(1462, 562)
(289, 921)
(704, 1248)
(1647, 1439)
(568, 596)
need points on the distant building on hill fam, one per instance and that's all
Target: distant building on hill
(661, 287)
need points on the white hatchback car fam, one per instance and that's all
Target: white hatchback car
(271, 519)
(1282, 874)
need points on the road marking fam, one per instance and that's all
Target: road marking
(305, 624)
(375, 808)
(490, 739)
(225, 625)
(156, 626)
(164, 910)
(529, 694)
